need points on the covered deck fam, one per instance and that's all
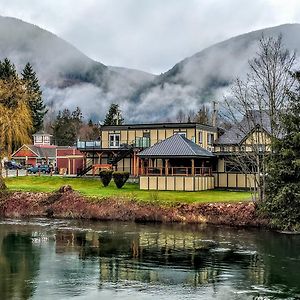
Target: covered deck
(176, 164)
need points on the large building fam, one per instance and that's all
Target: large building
(177, 156)
(120, 145)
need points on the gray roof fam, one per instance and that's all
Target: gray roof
(158, 126)
(238, 132)
(43, 151)
(175, 146)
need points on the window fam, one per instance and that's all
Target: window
(200, 137)
(38, 139)
(210, 138)
(114, 140)
(183, 133)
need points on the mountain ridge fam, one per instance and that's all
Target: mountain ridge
(69, 78)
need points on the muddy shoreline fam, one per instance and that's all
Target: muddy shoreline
(66, 203)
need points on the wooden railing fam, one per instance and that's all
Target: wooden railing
(177, 171)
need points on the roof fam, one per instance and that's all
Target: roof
(175, 146)
(42, 132)
(237, 133)
(43, 151)
(159, 126)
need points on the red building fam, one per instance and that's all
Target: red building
(69, 160)
(65, 159)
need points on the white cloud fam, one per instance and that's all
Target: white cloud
(151, 35)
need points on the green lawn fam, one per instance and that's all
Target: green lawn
(92, 187)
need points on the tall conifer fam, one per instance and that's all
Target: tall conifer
(36, 104)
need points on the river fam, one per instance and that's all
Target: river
(66, 259)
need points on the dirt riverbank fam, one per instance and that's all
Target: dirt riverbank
(66, 203)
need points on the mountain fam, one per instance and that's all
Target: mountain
(69, 78)
(207, 75)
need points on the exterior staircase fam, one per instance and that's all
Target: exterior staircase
(86, 169)
(124, 151)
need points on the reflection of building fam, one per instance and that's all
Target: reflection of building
(164, 257)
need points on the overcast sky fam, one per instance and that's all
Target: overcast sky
(150, 35)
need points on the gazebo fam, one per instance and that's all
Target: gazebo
(176, 163)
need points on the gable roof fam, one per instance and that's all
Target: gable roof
(23, 148)
(175, 146)
(237, 133)
(39, 151)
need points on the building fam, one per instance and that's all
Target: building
(64, 159)
(156, 152)
(242, 141)
(176, 163)
(120, 145)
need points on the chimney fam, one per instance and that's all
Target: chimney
(214, 113)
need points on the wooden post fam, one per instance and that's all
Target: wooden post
(134, 163)
(142, 166)
(167, 167)
(17, 172)
(193, 167)
(69, 166)
(137, 165)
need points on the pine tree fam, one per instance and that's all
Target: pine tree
(283, 180)
(67, 126)
(36, 104)
(113, 116)
(7, 70)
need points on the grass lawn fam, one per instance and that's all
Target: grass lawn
(92, 187)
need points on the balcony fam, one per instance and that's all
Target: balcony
(88, 145)
(142, 142)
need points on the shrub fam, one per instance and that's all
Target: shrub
(105, 176)
(120, 178)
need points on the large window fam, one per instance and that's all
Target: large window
(210, 138)
(114, 140)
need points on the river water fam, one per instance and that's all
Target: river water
(63, 259)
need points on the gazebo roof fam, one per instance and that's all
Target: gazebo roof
(176, 146)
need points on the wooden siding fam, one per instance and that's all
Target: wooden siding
(176, 183)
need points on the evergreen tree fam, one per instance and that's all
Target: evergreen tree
(283, 180)
(7, 70)
(36, 104)
(113, 116)
(67, 126)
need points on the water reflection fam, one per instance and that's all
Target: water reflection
(64, 259)
(19, 265)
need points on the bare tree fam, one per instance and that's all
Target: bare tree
(203, 115)
(180, 117)
(254, 108)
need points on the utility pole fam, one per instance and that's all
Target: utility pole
(215, 113)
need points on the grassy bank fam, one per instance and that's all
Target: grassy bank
(92, 187)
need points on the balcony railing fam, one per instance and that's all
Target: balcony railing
(88, 145)
(177, 171)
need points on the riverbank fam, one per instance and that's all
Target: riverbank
(66, 203)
